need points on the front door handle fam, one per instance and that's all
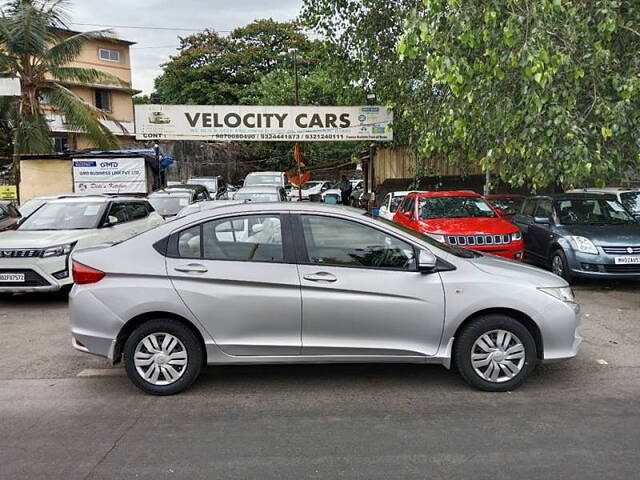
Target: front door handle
(321, 277)
(191, 268)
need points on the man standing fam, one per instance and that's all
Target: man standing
(345, 190)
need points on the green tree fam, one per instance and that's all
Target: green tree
(539, 91)
(214, 70)
(35, 47)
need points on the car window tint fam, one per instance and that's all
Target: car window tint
(137, 211)
(407, 206)
(529, 207)
(119, 210)
(544, 209)
(248, 238)
(189, 245)
(3, 213)
(335, 241)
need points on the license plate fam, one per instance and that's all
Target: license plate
(627, 260)
(11, 277)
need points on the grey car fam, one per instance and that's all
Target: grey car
(261, 194)
(581, 235)
(309, 283)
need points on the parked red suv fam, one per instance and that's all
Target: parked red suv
(462, 219)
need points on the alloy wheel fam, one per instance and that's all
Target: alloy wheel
(160, 358)
(557, 266)
(497, 356)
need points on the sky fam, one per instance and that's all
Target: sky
(154, 47)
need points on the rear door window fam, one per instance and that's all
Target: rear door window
(137, 211)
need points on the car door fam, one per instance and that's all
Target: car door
(362, 293)
(384, 207)
(119, 229)
(238, 277)
(138, 215)
(405, 212)
(541, 234)
(524, 221)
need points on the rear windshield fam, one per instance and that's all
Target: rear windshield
(257, 197)
(169, 205)
(258, 179)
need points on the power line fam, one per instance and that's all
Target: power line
(143, 27)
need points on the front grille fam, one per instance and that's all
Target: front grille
(622, 250)
(31, 279)
(20, 253)
(478, 240)
(622, 268)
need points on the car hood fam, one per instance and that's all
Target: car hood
(519, 271)
(41, 238)
(468, 226)
(614, 235)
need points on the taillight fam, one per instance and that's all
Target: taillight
(83, 274)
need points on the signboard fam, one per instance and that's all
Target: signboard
(109, 175)
(263, 124)
(9, 87)
(8, 192)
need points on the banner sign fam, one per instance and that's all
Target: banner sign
(10, 87)
(263, 124)
(109, 175)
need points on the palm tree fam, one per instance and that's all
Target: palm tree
(36, 47)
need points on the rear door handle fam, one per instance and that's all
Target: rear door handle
(321, 277)
(191, 268)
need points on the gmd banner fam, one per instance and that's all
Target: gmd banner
(270, 124)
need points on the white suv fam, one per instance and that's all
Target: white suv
(35, 257)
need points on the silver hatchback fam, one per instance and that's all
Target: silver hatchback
(310, 283)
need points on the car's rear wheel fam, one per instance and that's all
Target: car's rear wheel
(163, 357)
(560, 266)
(495, 353)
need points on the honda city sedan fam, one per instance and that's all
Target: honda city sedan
(290, 282)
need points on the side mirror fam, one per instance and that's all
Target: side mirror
(542, 220)
(111, 221)
(427, 261)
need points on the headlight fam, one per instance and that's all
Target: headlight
(583, 244)
(437, 237)
(58, 250)
(564, 294)
(516, 236)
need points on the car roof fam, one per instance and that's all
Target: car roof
(403, 193)
(265, 173)
(259, 189)
(498, 196)
(604, 190)
(172, 191)
(183, 186)
(94, 199)
(570, 195)
(451, 193)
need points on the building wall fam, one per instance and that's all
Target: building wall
(43, 177)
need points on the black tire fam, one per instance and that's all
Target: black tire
(559, 265)
(191, 343)
(464, 346)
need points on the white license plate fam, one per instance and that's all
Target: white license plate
(11, 277)
(627, 260)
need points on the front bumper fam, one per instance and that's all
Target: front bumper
(41, 274)
(512, 251)
(603, 265)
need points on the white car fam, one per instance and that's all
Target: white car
(391, 202)
(30, 206)
(35, 257)
(334, 195)
(314, 187)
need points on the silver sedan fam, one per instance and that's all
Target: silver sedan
(310, 283)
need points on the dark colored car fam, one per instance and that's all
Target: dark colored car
(581, 235)
(9, 216)
(507, 203)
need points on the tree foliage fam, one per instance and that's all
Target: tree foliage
(540, 91)
(36, 47)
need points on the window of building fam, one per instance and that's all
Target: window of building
(103, 100)
(109, 55)
(60, 144)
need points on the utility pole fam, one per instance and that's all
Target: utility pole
(297, 151)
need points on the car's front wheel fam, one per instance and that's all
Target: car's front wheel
(495, 353)
(560, 266)
(163, 357)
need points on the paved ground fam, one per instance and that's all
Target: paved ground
(574, 420)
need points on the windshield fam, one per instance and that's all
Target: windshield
(509, 206)
(257, 197)
(592, 211)
(65, 216)
(631, 200)
(454, 207)
(210, 183)
(308, 185)
(31, 206)
(169, 205)
(458, 252)
(268, 179)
